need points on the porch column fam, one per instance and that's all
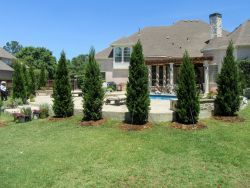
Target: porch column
(164, 76)
(171, 74)
(149, 76)
(206, 77)
(157, 75)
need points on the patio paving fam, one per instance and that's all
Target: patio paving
(157, 106)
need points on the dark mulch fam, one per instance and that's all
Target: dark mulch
(93, 123)
(230, 119)
(132, 127)
(196, 126)
(2, 124)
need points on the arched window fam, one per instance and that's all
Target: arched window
(126, 53)
(118, 55)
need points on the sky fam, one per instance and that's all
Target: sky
(76, 25)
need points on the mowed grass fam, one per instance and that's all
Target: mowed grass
(63, 154)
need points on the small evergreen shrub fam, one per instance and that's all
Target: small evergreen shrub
(188, 105)
(63, 105)
(32, 98)
(44, 111)
(93, 93)
(227, 102)
(138, 101)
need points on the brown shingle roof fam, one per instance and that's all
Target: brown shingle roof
(240, 36)
(5, 67)
(5, 54)
(167, 41)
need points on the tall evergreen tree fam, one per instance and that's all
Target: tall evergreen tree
(228, 97)
(18, 83)
(93, 93)
(138, 101)
(26, 79)
(188, 105)
(32, 86)
(42, 79)
(63, 103)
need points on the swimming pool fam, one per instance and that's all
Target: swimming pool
(162, 97)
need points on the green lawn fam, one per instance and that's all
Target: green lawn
(62, 154)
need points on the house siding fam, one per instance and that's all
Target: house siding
(5, 75)
(113, 75)
(243, 52)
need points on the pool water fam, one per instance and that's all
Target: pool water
(162, 97)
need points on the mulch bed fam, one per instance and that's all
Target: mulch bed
(2, 124)
(197, 126)
(230, 119)
(132, 127)
(93, 123)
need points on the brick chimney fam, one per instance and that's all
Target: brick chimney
(216, 25)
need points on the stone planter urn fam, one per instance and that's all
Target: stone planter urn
(36, 114)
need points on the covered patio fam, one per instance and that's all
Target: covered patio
(163, 73)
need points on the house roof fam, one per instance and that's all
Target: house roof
(167, 41)
(5, 67)
(5, 54)
(240, 37)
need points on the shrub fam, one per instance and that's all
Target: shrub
(188, 106)
(32, 98)
(211, 95)
(227, 102)
(32, 85)
(244, 66)
(44, 111)
(63, 103)
(17, 102)
(92, 90)
(1, 105)
(137, 88)
(42, 79)
(27, 112)
(19, 89)
(26, 79)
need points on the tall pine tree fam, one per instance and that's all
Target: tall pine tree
(93, 93)
(228, 97)
(26, 79)
(138, 101)
(188, 106)
(32, 86)
(18, 83)
(42, 79)
(63, 103)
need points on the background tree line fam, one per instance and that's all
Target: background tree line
(44, 63)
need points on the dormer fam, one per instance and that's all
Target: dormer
(121, 57)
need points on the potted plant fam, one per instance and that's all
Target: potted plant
(36, 114)
(27, 113)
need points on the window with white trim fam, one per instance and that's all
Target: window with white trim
(126, 54)
(118, 55)
(213, 73)
(122, 54)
